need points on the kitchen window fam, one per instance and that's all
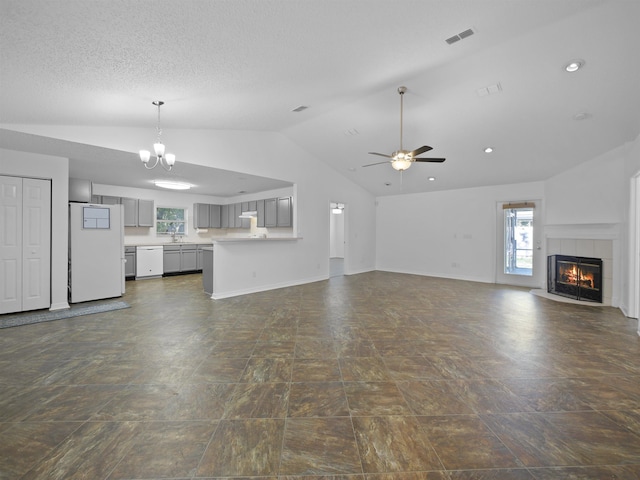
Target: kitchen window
(171, 221)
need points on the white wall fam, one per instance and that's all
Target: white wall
(272, 155)
(592, 192)
(448, 234)
(57, 170)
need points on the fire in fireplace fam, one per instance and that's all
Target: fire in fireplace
(575, 277)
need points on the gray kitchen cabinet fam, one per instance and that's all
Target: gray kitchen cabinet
(96, 199)
(180, 258)
(224, 216)
(146, 213)
(245, 222)
(270, 212)
(206, 215)
(284, 212)
(237, 221)
(231, 215)
(201, 215)
(130, 211)
(109, 200)
(260, 210)
(130, 264)
(171, 258)
(200, 256)
(215, 218)
(188, 258)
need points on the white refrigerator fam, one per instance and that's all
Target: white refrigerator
(96, 251)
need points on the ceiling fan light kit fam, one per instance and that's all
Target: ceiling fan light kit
(402, 159)
(165, 160)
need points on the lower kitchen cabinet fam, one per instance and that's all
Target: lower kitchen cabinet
(171, 259)
(200, 256)
(188, 258)
(180, 258)
(130, 264)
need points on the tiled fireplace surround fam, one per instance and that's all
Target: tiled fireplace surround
(590, 240)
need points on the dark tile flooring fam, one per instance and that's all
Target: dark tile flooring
(377, 376)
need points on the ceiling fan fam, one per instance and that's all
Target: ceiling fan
(402, 159)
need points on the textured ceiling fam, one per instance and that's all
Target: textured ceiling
(245, 64)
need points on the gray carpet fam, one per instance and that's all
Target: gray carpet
(15, 320)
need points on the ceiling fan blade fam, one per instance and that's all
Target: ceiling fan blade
(379, 163)
(381, 154)
(420, 150)
(434, 160)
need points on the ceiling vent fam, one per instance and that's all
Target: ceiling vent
(460, 36)
(300, 108)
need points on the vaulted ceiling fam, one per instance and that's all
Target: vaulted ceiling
(246, 64)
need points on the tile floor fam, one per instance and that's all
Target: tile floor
(377, 376)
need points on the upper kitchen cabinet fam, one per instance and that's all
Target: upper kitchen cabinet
(146, 213)
(224, 216)
(206, 215)
(270, 212)
(137, 212)
(215, 216)
(130, 212)
(260, 210)
(201, 215)
(284, 212)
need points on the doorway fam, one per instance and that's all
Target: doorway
(634, 250)
(337, 213)
(519, 256)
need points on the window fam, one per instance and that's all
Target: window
(171, 221)
(518, 239)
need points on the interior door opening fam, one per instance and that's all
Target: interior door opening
(337, 215)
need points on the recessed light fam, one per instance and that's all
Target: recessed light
(432, 179)
(172, 185)
(488, 150)
(574, 65)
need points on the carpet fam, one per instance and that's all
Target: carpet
(15, 320)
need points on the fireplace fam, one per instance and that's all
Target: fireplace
(579, 278)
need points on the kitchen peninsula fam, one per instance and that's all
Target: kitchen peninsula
(241, 265)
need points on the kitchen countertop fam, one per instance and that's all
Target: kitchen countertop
(253, 239)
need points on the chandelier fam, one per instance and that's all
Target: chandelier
(165, 160)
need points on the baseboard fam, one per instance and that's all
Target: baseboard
(59, 306)
(265, 288)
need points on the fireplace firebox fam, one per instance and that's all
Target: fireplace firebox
(579, 278)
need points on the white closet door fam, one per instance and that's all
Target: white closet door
(10, 244)
(36, 244)
(25, 244)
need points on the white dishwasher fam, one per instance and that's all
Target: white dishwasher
(149, 261)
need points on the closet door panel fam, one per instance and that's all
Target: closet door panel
(36, 248)
(10, 244)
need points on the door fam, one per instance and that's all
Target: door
(25, 245)
(519, 257)
(36, 244)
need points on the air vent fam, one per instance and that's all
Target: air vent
(300, 108)
(490, 90)
(460, 36)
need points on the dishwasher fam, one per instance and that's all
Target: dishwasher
(149, 261)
